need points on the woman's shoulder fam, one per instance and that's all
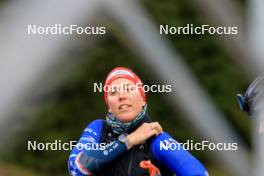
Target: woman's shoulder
(95, 124)
(94, 128)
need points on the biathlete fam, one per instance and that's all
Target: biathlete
(128, 141)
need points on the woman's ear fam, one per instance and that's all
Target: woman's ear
(109, 110)
(144, 103)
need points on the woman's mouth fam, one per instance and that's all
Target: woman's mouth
(124, 106)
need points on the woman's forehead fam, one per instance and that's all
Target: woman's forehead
(122, 81)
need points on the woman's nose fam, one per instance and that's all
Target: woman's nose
(122, 95)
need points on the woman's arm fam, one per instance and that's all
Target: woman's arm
(178, 160)
(92, 133)
(86, 161)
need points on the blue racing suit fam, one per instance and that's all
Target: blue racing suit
(89, 162)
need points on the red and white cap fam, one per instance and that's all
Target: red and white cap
(122, 72)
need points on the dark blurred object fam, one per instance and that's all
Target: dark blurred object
(251, 100)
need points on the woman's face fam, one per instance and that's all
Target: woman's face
(124, 99)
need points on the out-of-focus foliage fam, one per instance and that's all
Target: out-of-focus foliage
(208, 61)
(63, 113)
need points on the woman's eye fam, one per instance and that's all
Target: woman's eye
(132, 88)
(129, 88)
(112, 92)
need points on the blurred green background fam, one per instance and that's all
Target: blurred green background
(65, 111)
